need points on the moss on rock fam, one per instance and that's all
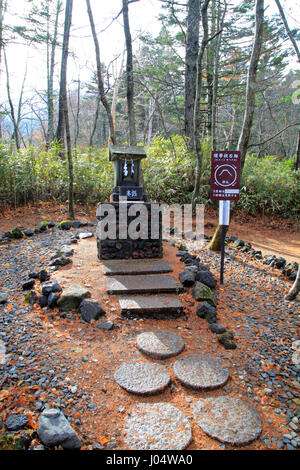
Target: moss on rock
(65, 225)
(16, 233)
(42, 226)
(203, 292)
(226, 339)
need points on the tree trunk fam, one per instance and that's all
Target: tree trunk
(250, 102)
(116, 92)
(148, 127)
(129, 75)
(99, 75)
(1, 29)
(220, 24)
(76, 117)
(229, 136)
(289, 33)
(63, 74)
(50, 79)
(191, 56)
(251, 81)
(12, 109)
(297, 163)
(197, 140)
(95, 121)
(295, 289)
(70, 163)
(210, 60)
(2, 10)
(64, 125)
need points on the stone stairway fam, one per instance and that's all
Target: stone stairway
(162, 426)
(143, 287)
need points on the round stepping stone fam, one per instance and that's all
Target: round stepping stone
(228, 419)
(142, 378)
(200, 372)
(159, 344)
(157, 426)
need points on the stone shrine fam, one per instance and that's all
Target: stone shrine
(127, 203)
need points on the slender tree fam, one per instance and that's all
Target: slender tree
(60, 132)
(51, 49)
(63, 127)
(217, 44)
(251, 81)
(196, 120)
(250, 104)
(13, 116)
(3, 6)
(191, 56)
(287, 28)
(99, 75)
(295, 45)
(129, 75)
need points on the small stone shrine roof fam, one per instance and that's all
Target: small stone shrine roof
(126, 151)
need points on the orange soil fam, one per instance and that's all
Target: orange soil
(106, 350)
(109, 349)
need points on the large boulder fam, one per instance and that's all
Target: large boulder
(16, 233)
(226, 339)
(52, 300)
(3, 297)
(50, 286)
(60, 261)
(203, 292)
(187, 278)
(217, 328)
(54, 429)
(239, 243)
(280, 262)
(207, 278)
(42, 226)
(207, 311)
(268, 259)
(28, 284)
(65, 225)
(14, 422)
(72, 298)
(90, 310)
(29, 232)
(289, 268)
(64, 250)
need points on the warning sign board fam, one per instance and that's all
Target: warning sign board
(225, 175)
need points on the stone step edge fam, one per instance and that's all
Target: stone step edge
(143, 271)
(150, 304)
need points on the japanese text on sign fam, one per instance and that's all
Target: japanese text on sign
(225, 175)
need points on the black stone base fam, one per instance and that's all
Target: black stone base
(120, 248)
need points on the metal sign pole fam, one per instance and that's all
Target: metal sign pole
(224, 216)
(225, 187)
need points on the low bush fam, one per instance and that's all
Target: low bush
(269, 185)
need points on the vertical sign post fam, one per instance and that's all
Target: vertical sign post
(225, 187)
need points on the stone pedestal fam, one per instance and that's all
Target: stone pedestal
(118, 247)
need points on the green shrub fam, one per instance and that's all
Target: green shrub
(269, 185)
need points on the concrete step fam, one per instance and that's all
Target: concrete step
(132, 267)
(149, 305)
(150, 284)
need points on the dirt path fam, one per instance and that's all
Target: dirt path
(270, 235)
(274, 236)
(61, 361)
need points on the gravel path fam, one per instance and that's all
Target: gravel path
(251, 301)
(34, 363)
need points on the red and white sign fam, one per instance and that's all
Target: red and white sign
(225, 175)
